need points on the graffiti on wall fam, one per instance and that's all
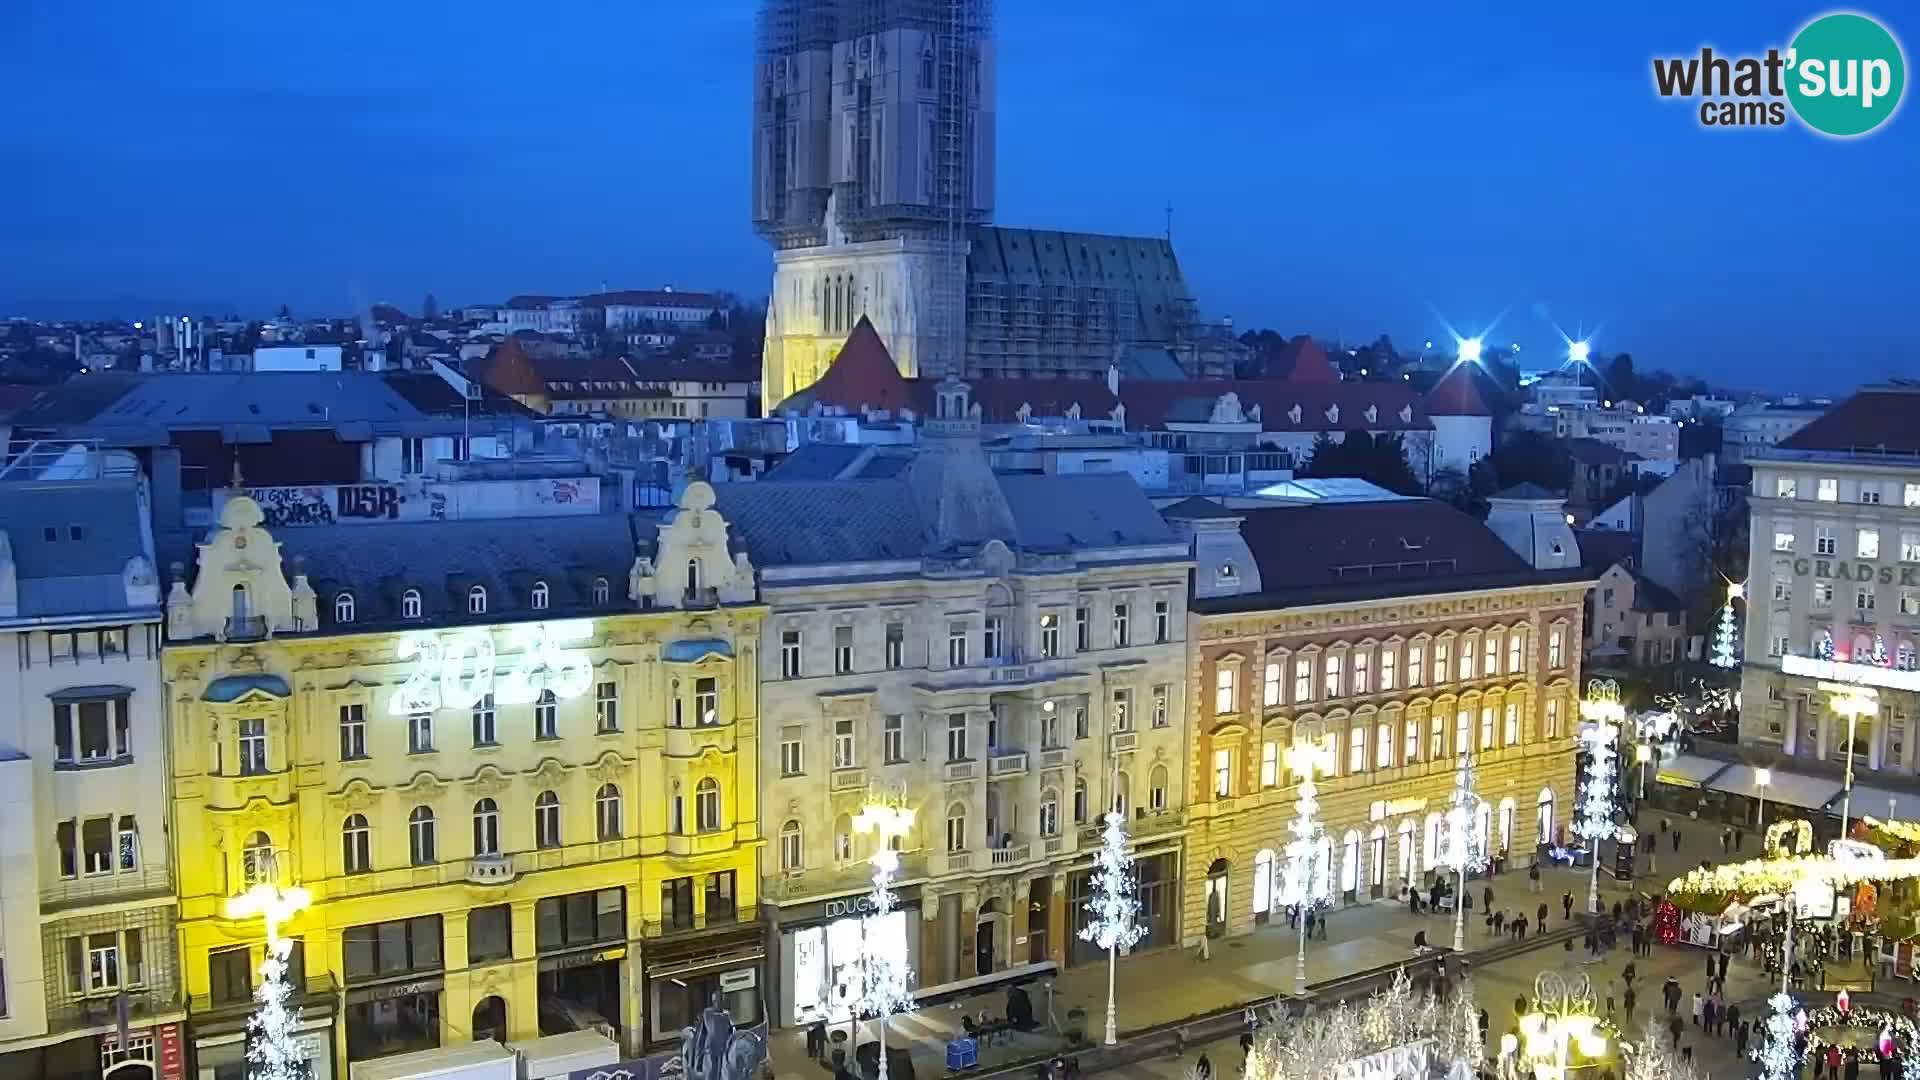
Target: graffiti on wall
(354, 504)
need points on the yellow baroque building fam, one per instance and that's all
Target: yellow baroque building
(513, 764)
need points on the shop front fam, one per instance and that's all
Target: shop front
(817, 949)
(685, 976)
(143, 1053)
(394, 977)
(1159, 892)
(581, 942)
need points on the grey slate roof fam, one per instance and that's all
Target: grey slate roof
(57, 572)
(815, 461)
(1527, 489)
(1086, 510)
(1195, 508)
(443, 559)
(809, 523)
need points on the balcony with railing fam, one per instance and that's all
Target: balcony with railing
(145, 1006)
(150, 880)
(490, 869)
(674, 924)
(1006, 764)
(244, 628)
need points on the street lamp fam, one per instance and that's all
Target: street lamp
(1562, 1020)
(1466, 849)
(275, 1052)
(1304, 757)
(1761, 778)
(1852, 702)
(884, 983)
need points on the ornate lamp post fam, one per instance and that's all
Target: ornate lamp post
(274, 1053)
(1306, 756)
(1852, 702)
(1602, 708)
(1562, 1020)
(883, 989)
(1466, 850)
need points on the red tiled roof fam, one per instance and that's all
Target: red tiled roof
(1310, 363)
(531, 302)
(1418, 541)
(1877, 418)
(1151, 404)
(863, 375)
(1457, 394)
(510, 370)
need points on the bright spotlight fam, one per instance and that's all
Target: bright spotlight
(1470, 350)
(1579, 351)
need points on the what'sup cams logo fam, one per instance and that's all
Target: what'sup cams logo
(1842, 76)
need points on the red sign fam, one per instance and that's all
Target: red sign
(173, 1064)
(1903, 960)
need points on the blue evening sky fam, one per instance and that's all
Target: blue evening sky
(1341, 169)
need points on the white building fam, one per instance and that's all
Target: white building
(87, 904)
(1629, 428)
(1750, 429)
(1006, 655)
(1834, 582)
(297, 357)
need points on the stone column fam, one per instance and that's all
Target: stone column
(1822, 744)
(1057, 923)
(1793, 725)
(1875, 736)
(522, 993)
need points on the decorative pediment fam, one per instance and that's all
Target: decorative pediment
(549, 772)
(488, 780)
(609, 768)
(357, 796)
(1228, 731)
(424, 785)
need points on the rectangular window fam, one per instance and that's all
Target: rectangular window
(789, 654)
(606, 707)
(790, 757)
(1867, 543)
(489, 934)
(66, 837)
(1910, 601)
(1161, 694)
(956, 736)
(96, 844)
(253, 746)
(956, 644)
(1383, 746)
(1223, 773)
(1466, 659)
(991, 639)
(1870, 494)
(842, 649)
(1490, 655)
(1357, 750)
(1049, 636)
(1223, 686)
(1082, 629)
(1080, 726)
(353, 732)
(1303, 680)
(230, 975)
(1824, 540)
(1163, 621)
(1050, 726)
(1331, 678)
(1413, 741)
(706, 702)
(1828, 489)
(843, 751)
(1823, 594)
(1122, 636)
(420, 732)
(1516, 652)
(1513, 724)
(103, 962)
(586, 918)
(1270, 684)
(1553, 718)
(1782, 536)
(1362, 675)
(1554, 646)
(1911, 495)
(1909, 546)
(129, 844)
(1463, 732)
(1782, 591)
(1442, 661)
(1863, 598)
(893, 738)
(1416, 665)
(1269, 764)
(1486, 727)
(1389, 667)
(896, 646)
(1784, 487)
(1437, 738)
(1122, 708)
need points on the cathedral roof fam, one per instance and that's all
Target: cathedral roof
(862, 376)
(1457, 394)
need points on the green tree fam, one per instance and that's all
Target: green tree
(1380, 460)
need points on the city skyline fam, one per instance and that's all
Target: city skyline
(1313, 199)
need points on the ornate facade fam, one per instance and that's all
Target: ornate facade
(520, 782)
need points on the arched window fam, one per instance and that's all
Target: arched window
(538, 596)
(843, 839)
(1322, 887)
(343, 608)
(1050, 812)
(486, 827)
(1263, 883)
(490, 1019)
(706, 804)
(1157, 789)
(1506, 824)
(606, 807)
(693, 574)
(546, 820)
(1350, 862)
(600, 591)
(420, 836)
(476, 600)
(1543, 816)
(957, 827)
(1079, 801)
(792, 853)
(356, 844)
(256, 859)
(410, 604)
(1432, 853)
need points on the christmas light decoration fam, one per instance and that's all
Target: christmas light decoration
(1305, 883)
(1852, 702)
(1604, 713)
(1465, 850)
(884, 983)
(1823, 649)
(455, 669)
(1723, 654)
(1562, 1021)
(1896, 1034)
(1775, 1053)
(1395, 1032)
(1112, 906)
(1655, 1057)
(1757, 876)
(272, 1049)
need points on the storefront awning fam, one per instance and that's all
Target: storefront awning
(1689, 770)
(1882, 804)
(1793, 789)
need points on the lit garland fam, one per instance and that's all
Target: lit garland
(1899, 830)
(1776, 1052)
(1596, 804)
(1314, 1045)
(1113, 905)
(1655, 1057)
(1896, 1031)
(1305, 884)
(884, 984)
(1756, 876)
(1466, 847)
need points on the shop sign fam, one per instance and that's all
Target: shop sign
(172, 1057)
(390, 991)
(1864, 572)
(581, 959)
(1408, 1059)
(738, 979)
(847, 907)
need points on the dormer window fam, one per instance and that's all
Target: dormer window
(693, 574)
(539, 598)
(600, 591)
(1228, 573)
(476, 600)
(343, 608)
(410, 604)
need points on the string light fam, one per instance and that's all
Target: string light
(1604, 713)
(884, 983)
(1112, 906)
(1776, 1055)
(1305, 884)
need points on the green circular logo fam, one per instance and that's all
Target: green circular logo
(1845, 75)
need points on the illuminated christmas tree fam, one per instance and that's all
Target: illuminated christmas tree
(1723, 654)
(1666, 922)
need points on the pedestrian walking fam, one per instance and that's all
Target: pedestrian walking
(1206, 950)
(1566, 905)
(1663, 826)
(1710, 1016)
(1696, 1010)
(1726, 840)
(1533, 877)
(1609, 999)
(1676, 841)
(1486, 897)
(1520, 928)
(1723, 967)
(1671, 992)
(1541, 912)
(1740, 1041)
(1628, 1000)
(1739, 839)
(1203, 1068)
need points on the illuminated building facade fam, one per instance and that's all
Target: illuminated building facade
(1403, 634)
(514, 764)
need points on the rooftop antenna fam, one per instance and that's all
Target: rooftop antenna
(1169, 221)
